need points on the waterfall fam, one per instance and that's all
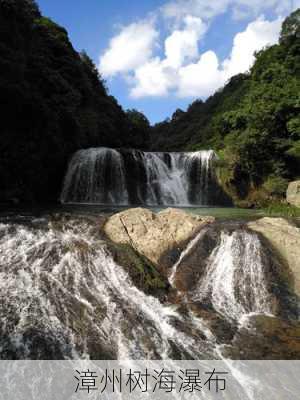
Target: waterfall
(235, 280)
(126, 177)
(62, 293)
(63, 296)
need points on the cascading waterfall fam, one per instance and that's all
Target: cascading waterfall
(96, 176)
(235, 281)
(63, 296)
(124, 177)
(63, 287)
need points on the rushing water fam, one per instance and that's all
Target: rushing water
(122, 177)
(62, 295)
(235, 281)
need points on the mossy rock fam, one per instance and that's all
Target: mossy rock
(142, 271)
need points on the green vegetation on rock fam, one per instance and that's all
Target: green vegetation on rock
(277, 209)
(141, 270)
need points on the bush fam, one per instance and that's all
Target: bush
(276, 186)
(279, 209)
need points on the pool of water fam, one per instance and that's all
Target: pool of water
(77, 209)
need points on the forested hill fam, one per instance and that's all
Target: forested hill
(253, 123)
(52, 101)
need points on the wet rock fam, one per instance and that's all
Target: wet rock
(142, 271)
(222, 329)
(194, 262)
(153, 234)
(284, 238)
(293, 193)
(266, 337)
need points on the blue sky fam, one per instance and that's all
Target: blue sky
(160, 55)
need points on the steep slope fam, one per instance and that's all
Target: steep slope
(52, 101)
(195, 128)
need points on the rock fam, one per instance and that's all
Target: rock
(284, 237)
(293, 193)
(266, 338)
(195, 260)
(154, 234)
(142, 272)
(222, 329)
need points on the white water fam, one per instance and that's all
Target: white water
(191, 245)
(90, 171)
(235, 281)
(65, 283)
(59, 285)
(122, 177)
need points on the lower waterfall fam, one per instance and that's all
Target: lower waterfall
(63, 296)
(235, 280)
(62, 293)
(126, 177)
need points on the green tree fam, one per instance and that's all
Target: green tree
(139, 129)
(291, 28)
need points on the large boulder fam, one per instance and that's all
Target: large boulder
(285, 240)
(293, 193)
(153, 234)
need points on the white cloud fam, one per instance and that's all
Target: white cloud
(199, 8)
(132, 47)
(258, 34)
(158, 77)
(207, 9)
(200, 79)
(182, 45)
(182, 70)
(151, 79)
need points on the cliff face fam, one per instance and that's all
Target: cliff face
(52, 101)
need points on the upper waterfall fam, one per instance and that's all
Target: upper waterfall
(127, 177)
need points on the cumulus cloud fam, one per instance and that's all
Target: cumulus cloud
(152, 79)
(182, 70)
(132, 47)
(202, 78)
(157, 76)
(182, 45)
(258, 34)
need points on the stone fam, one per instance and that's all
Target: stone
(284, 238)
(151, 234)
(265, 338)
(293, 193)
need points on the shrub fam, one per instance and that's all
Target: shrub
(275, 186)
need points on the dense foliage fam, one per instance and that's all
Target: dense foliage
(139, 129)
(253, 123)
(53, 102)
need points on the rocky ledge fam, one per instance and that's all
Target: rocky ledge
(155, 235)
(284, 238)
(151, 234)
